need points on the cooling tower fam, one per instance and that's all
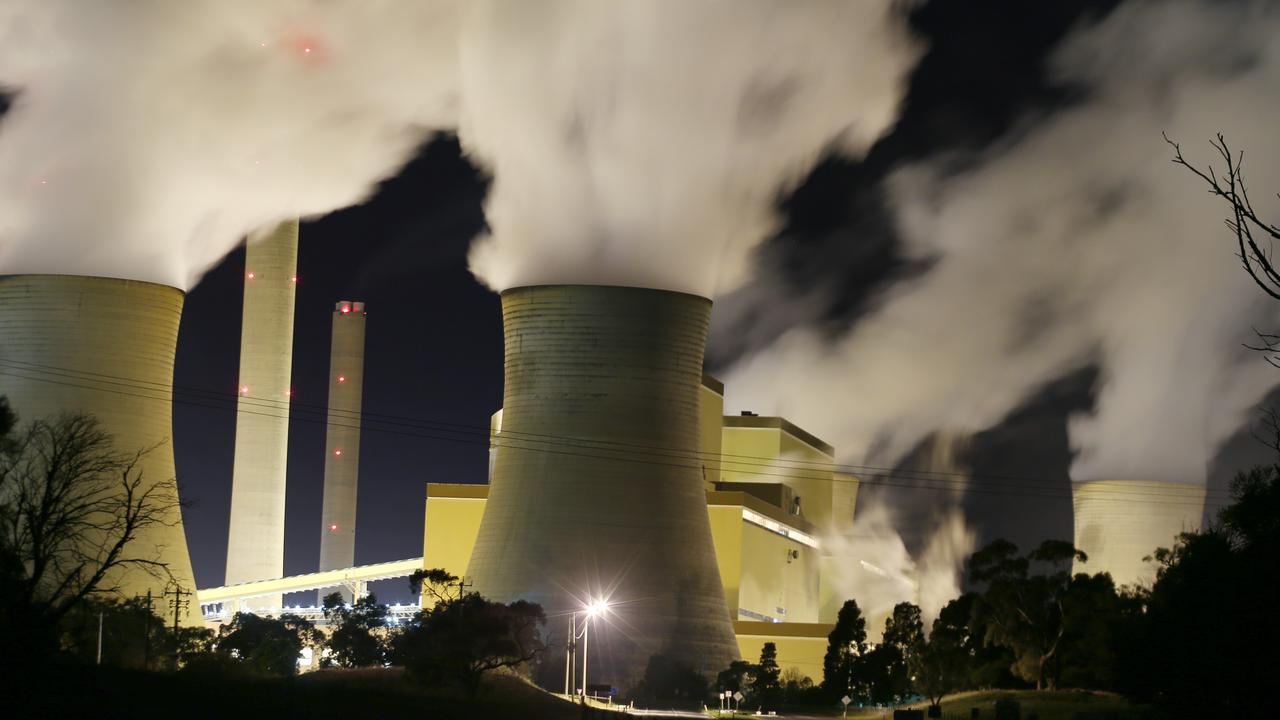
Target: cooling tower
(1120, 522)
(255, 542)
(342, 440)
(104, 347)
(597, 485)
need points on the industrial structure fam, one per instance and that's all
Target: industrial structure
(104, 347)
(255, 543)
(771, 499)
(342, 439)
(597, 487)
(1118, 523)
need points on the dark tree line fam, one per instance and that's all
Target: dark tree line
(1197, 641)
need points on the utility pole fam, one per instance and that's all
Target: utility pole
(99, 637)
(180, 603)
(570, 669)
(462, 587)
(146, 634)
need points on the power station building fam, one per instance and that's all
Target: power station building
(104, 347)
(769, 495)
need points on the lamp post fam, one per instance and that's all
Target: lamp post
(597, 607)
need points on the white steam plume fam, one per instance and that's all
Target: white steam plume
(645, 143)
(1077, 241)
(148, 137)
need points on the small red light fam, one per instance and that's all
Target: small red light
(333, 527)
(338, 453)
(244, 390)
(293, 279)
(342, 378)
(252, 275)
(289, 392)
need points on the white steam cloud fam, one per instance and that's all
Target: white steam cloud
(1075, 242)
(646, 143)
(147, 138)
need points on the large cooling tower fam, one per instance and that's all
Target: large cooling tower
(105, 347)
(255, 543)
(342, 439)
(597, 485)
(1120, 522)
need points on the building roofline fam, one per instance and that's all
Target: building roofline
(711, 383)
(757, 628)
(761, 421)
(473, 491)
(751, 502)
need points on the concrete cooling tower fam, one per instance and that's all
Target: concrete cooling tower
(597, 488)
(1120, 522)
(255, 543)
(342, 440)
(102, 346)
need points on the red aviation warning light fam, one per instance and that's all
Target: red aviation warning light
(333, 527)
(293, 279)
(342, 378)
(252, 274)
(244, 391)
(338, 452)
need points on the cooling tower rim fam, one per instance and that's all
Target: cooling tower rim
(104, 278)
(1099, 488)
(567, 286)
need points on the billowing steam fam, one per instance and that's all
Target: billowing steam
(147, 138)
(645, 143)
(1075, 242)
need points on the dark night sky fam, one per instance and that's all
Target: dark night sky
(434, 352)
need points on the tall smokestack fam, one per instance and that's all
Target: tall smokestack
(255, 544)
(105, 347)
(342, 439)
(1120, 522)
(597, 486)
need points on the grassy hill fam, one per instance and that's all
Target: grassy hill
(84, 692)
(1045, 704)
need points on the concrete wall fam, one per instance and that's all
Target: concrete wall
(105, 347)
(451, 524)
(772, 450)
(255, 544)
(800, 645)
(597, 489)
(1119, 522)
(710, 425)
(342, 438)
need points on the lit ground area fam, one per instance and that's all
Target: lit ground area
(346, 694)
(1047, 705)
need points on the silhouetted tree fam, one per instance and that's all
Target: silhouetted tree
(355, 639)
(737, 677)
(946, 662)
(435, 583)
(904, 639)
(766, 685)
(845, 646)
(71, 507)
(1023, 611)
(265, 645)
(459, 640)
(1210, 617)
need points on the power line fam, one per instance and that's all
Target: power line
(942, 481)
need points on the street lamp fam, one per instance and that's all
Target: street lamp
(594, 608)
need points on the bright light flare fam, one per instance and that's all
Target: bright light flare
(597, 607)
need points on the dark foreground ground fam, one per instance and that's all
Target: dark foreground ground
(80, 692)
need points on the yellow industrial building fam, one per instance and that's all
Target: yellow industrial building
(772, 496)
